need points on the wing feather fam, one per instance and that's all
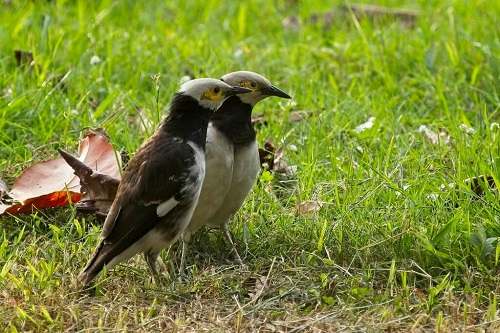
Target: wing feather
(152, 187)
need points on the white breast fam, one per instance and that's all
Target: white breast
(219, 169)
(245, 171)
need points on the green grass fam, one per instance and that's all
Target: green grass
(390, 249)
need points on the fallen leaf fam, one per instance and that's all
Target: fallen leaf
(259, 120)
(480, 184)
(98, 190)
(24, 58)
(297, 116)
(260, 284)
(280, 165)
(406, 16)
(366, 125)
(53, 184)
(266, 155)
(51, 200)
(324, 19)
(308, 207)
(272, 159)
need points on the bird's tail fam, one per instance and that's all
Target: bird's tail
(95, 265)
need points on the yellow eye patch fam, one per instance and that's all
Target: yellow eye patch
(213, 95)
(248, 84)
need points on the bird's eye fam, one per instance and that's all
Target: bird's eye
(216, 90)
(253, 84)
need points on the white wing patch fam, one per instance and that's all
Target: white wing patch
(166, 206)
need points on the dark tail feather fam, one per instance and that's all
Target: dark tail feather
(94, 266)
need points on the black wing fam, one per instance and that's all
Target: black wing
(160, 171)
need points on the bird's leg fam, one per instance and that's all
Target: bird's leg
(151, 258)
(183, 259)
(227, 234)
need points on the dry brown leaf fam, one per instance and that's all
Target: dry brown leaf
(266, 155)
(297, 116)
(98, 190)
(406, 16)
(52, 183)
(272, 159)
(281, 165)
(259, 120)
(51, 200)
(325, 19)
(308, 207)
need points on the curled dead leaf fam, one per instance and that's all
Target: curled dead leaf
(408, 17)
(297, 116)
(272, 159)
(281, 165)
(259, 120)
(308, 207)
(52, 183)
(324, 19)
(98, 190)
(266, 155)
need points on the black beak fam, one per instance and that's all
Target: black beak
(236, 91)
(274, 91)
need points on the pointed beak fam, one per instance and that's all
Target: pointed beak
(274, 91)
(236, 91)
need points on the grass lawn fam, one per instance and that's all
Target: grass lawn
(395, 239)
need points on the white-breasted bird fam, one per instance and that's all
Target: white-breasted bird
(232, 157)
(162, 182)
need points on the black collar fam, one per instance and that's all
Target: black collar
(187, 120)
(234, 119)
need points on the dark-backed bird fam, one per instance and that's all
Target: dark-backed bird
(162, 182)
(232, 157)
